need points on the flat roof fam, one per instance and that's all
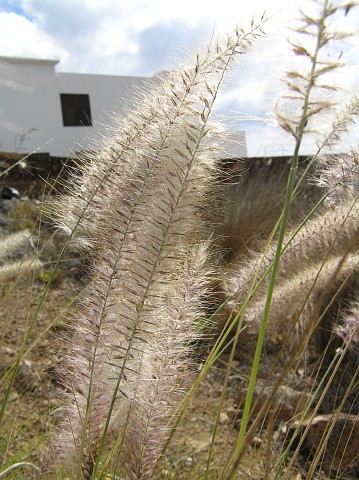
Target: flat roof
(36, 61)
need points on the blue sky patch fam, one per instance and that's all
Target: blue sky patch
(14, 6)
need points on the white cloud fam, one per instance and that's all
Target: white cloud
(89, 28)
(20, 37)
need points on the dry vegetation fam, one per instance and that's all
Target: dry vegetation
(149, 339)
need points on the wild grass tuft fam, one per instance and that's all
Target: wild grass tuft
(149, 276)
(276, 279)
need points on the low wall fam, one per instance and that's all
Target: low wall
(41, 172)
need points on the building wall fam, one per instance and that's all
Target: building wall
(30, 107)
(109, 96)
(27, 93)
(31, 114)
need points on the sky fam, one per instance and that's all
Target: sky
(141, 37)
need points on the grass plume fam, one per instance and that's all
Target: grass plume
(144, 300)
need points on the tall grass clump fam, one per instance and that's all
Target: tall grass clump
(176, 249)
(283, 294)
(137, 210)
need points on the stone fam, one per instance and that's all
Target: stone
(7, 357)
(256, 442)
(342, 449)
(27, 378)
(287, 403)
(342, 446)
(8, 193)
(223, 418)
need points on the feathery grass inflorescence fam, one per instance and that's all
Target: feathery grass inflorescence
(307, 98)
(18, 260)
(16, 269)
(348, 328)
(327, 235)
(296, 299)
(338, 176)
(129, 156)
(140, 205)
(15, 246)
(344, 118)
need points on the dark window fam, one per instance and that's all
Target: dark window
(76, 110)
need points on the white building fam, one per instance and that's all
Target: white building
(44, 110)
